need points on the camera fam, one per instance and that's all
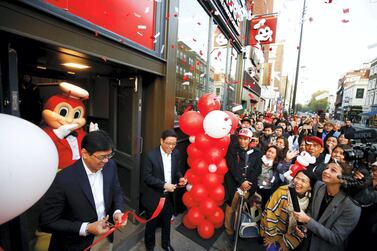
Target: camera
(368, 152)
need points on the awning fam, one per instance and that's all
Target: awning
(372, 113)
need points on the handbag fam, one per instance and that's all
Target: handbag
(249, 218)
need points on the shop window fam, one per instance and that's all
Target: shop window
(359, 93)
(193, 26)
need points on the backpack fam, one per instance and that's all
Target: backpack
(250, 215)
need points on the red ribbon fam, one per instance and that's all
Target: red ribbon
(156, 212)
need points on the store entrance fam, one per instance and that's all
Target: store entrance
(31, 72)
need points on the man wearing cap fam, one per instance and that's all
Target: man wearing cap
(244, 166)
(314, 146)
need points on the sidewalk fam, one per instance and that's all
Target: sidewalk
(181, 243)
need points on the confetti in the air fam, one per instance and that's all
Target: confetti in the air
(142, 27)
(137, 15)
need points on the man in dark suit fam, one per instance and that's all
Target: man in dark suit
(161, 174)
(82, 196)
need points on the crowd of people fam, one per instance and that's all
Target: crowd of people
(326, 204)
(331, 215)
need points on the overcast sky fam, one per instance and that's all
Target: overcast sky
(330, 46)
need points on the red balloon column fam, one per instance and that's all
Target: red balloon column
(209, 136)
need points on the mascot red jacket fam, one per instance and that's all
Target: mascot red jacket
(64, 115)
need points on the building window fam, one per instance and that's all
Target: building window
(359, 93)
(218, 91)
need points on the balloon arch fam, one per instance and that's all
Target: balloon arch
(209, 136)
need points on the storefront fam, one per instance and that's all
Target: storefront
(140, 79)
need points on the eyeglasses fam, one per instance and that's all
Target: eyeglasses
(103, 157)
(170, 144)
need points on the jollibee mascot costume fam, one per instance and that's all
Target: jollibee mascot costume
(302, 161)
(64, 115)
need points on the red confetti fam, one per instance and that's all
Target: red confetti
(218, 54)
(167, 16)
(199, 23)
(192, 68)
(270, 49)
(175, 14)
(201, 53)
(194, 39)
(347, 10)
(310, 19)
(173, 46)
(230, 4)
(328, 1)
(186, 77)
(345, 21)
(197, 63)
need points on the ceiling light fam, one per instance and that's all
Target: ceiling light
(41, 67)
(76, 65)
(71, 72)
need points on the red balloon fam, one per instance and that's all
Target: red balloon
(189, 161)
(223, 142)
(222, 167)
(191, 123)
(207, 206)
(206, 229)
(187, 223)
(193, 151)
(207, 103)
(200, 167)
(218, 193)
(217, 217)
(211, 180)
(195, 216)
(198, 192)
(188, 200)
(203, 141)
(192, 177)
(214, 155)
(235, 121)
(220, 178)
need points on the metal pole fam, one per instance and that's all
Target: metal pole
(238, 222)
(298, 59)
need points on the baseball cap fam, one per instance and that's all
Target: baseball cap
(245, 132)
(310, 139)
(246, 119)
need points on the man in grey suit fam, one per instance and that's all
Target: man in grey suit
(332, 215)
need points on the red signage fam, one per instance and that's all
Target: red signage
(263, 30)
(132, 19)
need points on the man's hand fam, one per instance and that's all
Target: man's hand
(169, 187)
(246, 185)
(182, 182)
(98, 227)
(301, 217)
(118, 219)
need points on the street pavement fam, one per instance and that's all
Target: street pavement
(181, 243)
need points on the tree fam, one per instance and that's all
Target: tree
(316, 104)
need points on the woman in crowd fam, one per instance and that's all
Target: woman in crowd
(278, 226)
(330, 144)
(332, 215)
(343, 140)
(268, 173)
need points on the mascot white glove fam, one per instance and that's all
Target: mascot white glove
(64, 130)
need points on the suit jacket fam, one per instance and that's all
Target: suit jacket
(154, 178)
(335, 224)
(70, 202)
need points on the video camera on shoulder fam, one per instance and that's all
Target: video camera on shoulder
(366, 150)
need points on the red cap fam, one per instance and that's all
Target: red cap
(309, 139)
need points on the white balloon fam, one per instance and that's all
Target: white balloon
(192, 139)
(217, 124)
(28, 165)
(188, 187)
(212, 168)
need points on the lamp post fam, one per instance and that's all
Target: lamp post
(298, 60)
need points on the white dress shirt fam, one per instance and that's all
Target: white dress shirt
(166, 162)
